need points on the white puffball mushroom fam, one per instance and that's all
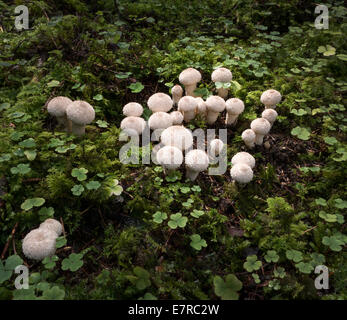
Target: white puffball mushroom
(170, 158)
(188, 105)
(215, 105)
(189, 78)
(53, 225)
(177, 136)
(241, 173)
(261, 127)
(248, 137)
(177, 117)
(270, 98)
(80, 113)
(57, 108)
(196, 161)
(223, 75)
(39, 244)
(234, 107)
(177, 93)
(133, 109)
(243, 157)
(133, 126)
(270, 115)
(160, 102)
(216, 147)
(160, 120)
(202, 109)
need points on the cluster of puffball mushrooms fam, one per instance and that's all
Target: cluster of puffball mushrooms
(176, 139)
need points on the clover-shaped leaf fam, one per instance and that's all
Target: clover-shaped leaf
(279, 272)
(185, 189)
(227, 289)
(142, 280)
(33, 202)
(98, 97)
(196, 188)
(6, 270)
(148, 296)
(93, 185)
(79, 173)
(60, 242)
(27, 294)
(53, 83)
(197, 242)
(50, 262)
(73, 262)
(294, 255)
(177, 220)
(28, 143)
(304, 267)
(252, 263)
(340, 204)
(301, 133)
(327, 50)
(22, 168)
(102, 124)
(136, 87)
(333, 242)
(54, 293)
(300, 112)
(271, 256)
(321, 202)
(317, 259)
(30, 154)
(197, 213)
(159, 217)
(77, 190)
(5, 157)
(46, 213)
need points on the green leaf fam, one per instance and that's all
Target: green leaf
(53, 83)
(342, 57)
(73, 262)
(177, 220)
(321, 202)
(227, 289)
(4, 274)
(300, 112)
(93, 185)
(22, 168)
(294, 255)
(102, 124)
(12, 262)
(197, 242)
(301, 133)
(304, 267)
(46, 213)
(148, 296)
(50, 262)
(5, 157)
(28, 143)
(333, 242)
(330, 140)
(30, 154)
(60, 242)
(54, 293)
(185, 189)
(159, 217)
(136, 87)
(271, 256)
(33, 202)
(79, 173)
(98, 97)
(340, 204)
(197, 213)
(252, 263)
(142, 280)
(77, 190)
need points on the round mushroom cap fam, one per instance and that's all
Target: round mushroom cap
(177, 89)
(170, 157)
(39, 244)
(160, 102)
(241, 172)
(243, 157)
(187, 103)
(215, 103)
(160, 120)
(199, 100)
(197, 160)
(53, 225)
(270, 97)
(189, 76)
(57, 106)
(132, 109)
(270, 115)
(177, 136)
(260, 126)
(133, 125)
(80, 112)
(221, 75)
(216, 146)
(234, 106)
(248, 135)
(177, 117)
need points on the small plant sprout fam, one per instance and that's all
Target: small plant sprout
(241, 173)
(243, 157)
(57, 108)
(80, 113)
(177, 117)
(224, 76)
(160, 102)
(170, 158)
(133, 109)
(216, 147)
(189, 78)
(261, 127)
(39, 244)
(248, 137)
(160, 120)
(133, 126)
(188, 105)
(234, 108)
(270, 115)
(53, 225)
(177, 136)
(270, 98)
(215, 105)
(177, 93)
(196, 161)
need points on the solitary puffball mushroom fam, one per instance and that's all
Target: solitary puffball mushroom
(248, 137)
(170, 158)
(133, 126)
(261, 127)
(216, 147)
(270, 115)
(53, 225)
(133, 109)
(223, 75)
(177, 117)
(270, 98)
(215, 105)
(196, 161)
(177, 93)
(160, 102)
(234, 108)
(160, 120)
(188, 105)
(243, 157)
(189, 78)
(57, 108)
(177, 136)
(39, 244)
(241, 173)
(80, 113)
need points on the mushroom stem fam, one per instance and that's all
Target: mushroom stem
(259, 139)
(78, 130)
(249, 144)
(191, 174)
(189, 89)
(231, 119)
(212, 117)
(223, 92)
(63, 121)
(188, 115)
